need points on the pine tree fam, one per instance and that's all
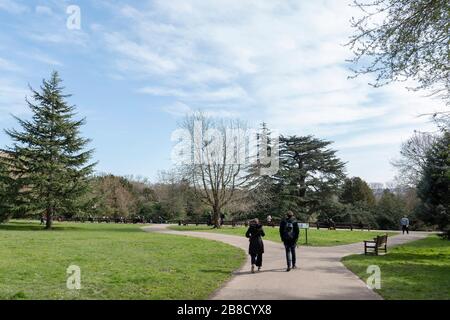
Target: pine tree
(47, 159)
(263, 189)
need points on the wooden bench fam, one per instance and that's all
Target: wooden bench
(377, 244)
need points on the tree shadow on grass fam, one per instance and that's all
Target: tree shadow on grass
(30, 226)
(58, 226)
(402, 258)
(110, 227)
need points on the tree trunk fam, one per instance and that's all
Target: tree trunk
(216, 216)
(49, 214)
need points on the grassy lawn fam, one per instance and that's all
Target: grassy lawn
(315, 237)
(116, 261)
(418, 270)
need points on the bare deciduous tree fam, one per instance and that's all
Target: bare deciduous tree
(214, 159)
(412, 159)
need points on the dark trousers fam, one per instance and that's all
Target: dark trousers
(405, 228)
(257, 259)
(290, 254)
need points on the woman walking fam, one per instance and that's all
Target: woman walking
(255, 233)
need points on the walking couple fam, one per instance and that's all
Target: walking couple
(289, 233)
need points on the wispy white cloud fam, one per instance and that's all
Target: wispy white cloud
(7, 65)
(62, 37)
(44, 10)
(137, 56)
(177, 109)
(44, 58)
(12, 6)
(381, 137)
(285, 59)
(180, 109)
(12, 99)
(48, 25)
(227, 93)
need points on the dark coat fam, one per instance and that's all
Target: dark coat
(255, 234)
(283, 231)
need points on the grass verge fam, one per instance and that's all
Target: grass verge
(418, 270)
(116, 261)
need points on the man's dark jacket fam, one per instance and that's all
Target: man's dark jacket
(283, 231)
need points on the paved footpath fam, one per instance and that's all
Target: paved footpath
(320, 273)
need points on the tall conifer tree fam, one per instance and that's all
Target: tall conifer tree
(47, 160)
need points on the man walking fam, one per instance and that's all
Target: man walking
(405, 224)
(289, 233)
(269, 221)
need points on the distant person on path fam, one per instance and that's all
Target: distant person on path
(289, 233)
(255, 233)
(405, 224)
(331, 224)
(42, 220)
(270, 221)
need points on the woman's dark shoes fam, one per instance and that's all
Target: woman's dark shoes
(288, 269)
(294, 267)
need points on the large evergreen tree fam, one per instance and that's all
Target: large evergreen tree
(310, 174)
(433, 189)
(389, 210)
(7, 190)
(356, 190)
(47, 160)
(358, 201)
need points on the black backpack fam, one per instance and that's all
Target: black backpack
(289, 234)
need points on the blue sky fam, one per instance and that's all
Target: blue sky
(136, 67)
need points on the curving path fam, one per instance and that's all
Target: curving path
(320, 273)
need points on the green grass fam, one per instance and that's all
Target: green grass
(116, 261)
(418, 270)
(316, 237)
